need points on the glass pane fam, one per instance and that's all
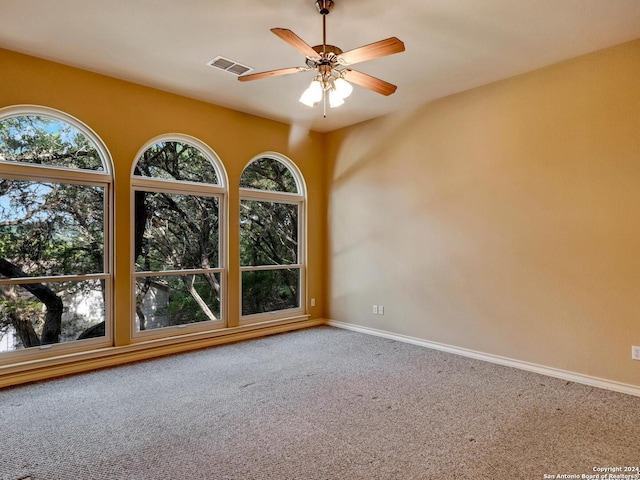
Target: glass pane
(50, 229)
(270, 290)
(176, 161)
(165, 301)
(268, 233)
(38, 314)
(268, 174)
(47, 141)
(175, 231)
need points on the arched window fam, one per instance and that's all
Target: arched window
(55, 244)
(272, 195)
(179, 189)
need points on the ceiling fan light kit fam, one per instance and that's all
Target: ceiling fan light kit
(334, 75)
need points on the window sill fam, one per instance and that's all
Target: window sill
(44, 369)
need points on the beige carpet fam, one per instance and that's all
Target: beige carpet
(322, 403)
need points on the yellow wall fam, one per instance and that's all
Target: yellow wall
(505, 219)
(126, 116)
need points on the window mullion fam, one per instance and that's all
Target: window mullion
(191, 271)
(169, 186)
(267, 196)
(53, 279)
(282, 266)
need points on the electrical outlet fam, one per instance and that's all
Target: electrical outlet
(380, 310)
(313, 302)
(375, 309)
(635, 353)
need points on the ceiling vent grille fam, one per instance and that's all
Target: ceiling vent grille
(229, 66)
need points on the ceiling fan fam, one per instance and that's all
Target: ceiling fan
(333, 66)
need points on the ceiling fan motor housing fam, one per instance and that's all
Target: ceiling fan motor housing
(324, 6)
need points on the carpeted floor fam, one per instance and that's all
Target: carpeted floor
(322, 403)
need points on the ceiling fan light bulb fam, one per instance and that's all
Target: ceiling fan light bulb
(343, 87)
(335, 99)
(306, 99)
(315, 91)
(312, 95)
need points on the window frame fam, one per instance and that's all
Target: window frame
(272, 196)
(219, 191)
(57, 174)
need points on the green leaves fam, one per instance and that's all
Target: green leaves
(50, 229)
(176, 161)
(42, 140)
(269, 237)
(268, 174)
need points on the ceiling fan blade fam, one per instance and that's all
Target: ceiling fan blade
(372, 83)
(271, 73)
(382, 48)
(295, 41)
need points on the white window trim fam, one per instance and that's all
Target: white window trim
(300, 199)
(140, 183)
(48, 173)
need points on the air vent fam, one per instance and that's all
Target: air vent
(229, 65)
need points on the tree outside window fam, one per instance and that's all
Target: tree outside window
(177, 203)
(270, 241)
(54, 200)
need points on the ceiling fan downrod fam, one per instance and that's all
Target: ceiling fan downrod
(324, 67)
(324, 7)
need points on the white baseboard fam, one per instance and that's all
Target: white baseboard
(487, 357)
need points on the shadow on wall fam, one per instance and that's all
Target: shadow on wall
(500, 219)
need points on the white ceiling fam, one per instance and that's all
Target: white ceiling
(451, 45)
